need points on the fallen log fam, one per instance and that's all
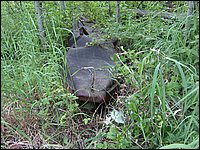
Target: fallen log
(164, 15)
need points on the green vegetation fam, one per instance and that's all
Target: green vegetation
(158, 61)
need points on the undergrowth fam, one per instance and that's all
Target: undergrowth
(157, 60)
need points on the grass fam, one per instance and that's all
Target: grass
(157, 62)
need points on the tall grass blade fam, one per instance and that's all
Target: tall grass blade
(177, 146)
(153, 89)
(186, 96)
(182, 76)
(163, 105)
(171, 59)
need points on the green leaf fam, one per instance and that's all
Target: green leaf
(112, 134)
(114, 58)
(65, 140)
(86, 120)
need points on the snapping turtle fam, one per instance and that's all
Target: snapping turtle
(90, 74)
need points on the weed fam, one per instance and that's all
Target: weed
(158, 62)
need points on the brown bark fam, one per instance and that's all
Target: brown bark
(63, 5)
(109, 8)
(117, 11)
(38, 10)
